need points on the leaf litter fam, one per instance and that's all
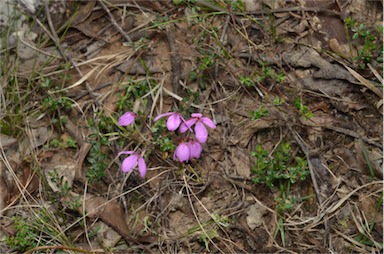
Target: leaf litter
(213, 50)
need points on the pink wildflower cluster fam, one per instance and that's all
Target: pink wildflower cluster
(190, 148)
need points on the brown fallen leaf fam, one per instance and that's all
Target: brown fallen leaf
(83, 12)
(325, 179)
(4, 197)
(7, 141)
(36, 137)
(134, 66)
(332, 26)
(81, 155)
(108, 211)
(309, 57)
(368, 160)
(249, 129)
(255, 215)
(241, 161)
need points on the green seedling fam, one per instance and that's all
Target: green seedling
(370, 38)
(269, 73)
(303, 110)
(211, 229)
(279, 169)
(260, 112)
(97, 157)
(25, 238)
(246, 81)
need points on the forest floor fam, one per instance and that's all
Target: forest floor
(294, 164)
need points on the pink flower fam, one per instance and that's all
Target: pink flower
(200, 131)
(182, 152)
(127, 118)
(187, 151)
(131, 161)
(174, 120)
(195, 149)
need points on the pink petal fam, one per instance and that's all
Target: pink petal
(182, 152)
(125, 152)
(142, 167)
(208, 122)
(187, 125)
(129, 163)
(127, 119)
(195, 148)
(201, 132)
(196, 115)
(162, 115)
(173, 122)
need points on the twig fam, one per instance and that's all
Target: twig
(353, 134)
(56, 40)
(305, 150)
(222, 38)
(175, 60)
(58, 248)
(114, 23)
(377, 75)
(314, 180)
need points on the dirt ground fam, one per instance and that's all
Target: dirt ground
(305, 75)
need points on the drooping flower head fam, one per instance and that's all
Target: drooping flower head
(182, 152)
(187, 151)
(195, 149)
(127, 118)
(131, 161)
(200, 122)
(174, 120)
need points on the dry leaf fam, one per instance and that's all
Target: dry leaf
(135, 66)
(255, 215)
(65, 172)
(110, 212)
(240, 157)
(309, 57)
(246, 132)
(4, 197)
(107, 237)
(83, 12)
(7, 141)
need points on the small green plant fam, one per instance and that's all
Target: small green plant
(269, 73)
(278, 101)
(260, 112)
(51, 103)
(162, 138)
(134, 89)
(64, 190)
(60, 143)
(303, 110)
(211, 229)
(370, 38)
(279, 169)
(40, 229)
(246, 81)
(97, 157)
(25, 237)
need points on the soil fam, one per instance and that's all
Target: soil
(296, 60)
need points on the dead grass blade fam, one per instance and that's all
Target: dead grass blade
(364, 82)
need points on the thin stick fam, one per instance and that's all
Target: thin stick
(55, 38)
(175, 60)
(114, 23)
